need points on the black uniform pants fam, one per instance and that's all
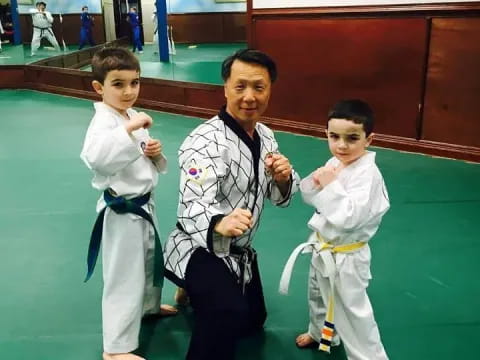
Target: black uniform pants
(222, 311)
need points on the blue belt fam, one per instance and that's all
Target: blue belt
(123, 206)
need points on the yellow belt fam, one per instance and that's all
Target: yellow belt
(328, 329)
(319, 245)
(338, 248)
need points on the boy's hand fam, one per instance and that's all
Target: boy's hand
(278, 167)
(235, 223)
(324, 176)
(138, 121)
(153, 148)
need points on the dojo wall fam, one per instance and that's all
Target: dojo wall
(416, 64)
(214, 27)
(198, 6)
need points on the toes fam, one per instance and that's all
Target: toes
(168, 310)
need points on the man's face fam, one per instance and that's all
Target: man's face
(247, 91)
(120, 89)
(85, 9)
(41, 7)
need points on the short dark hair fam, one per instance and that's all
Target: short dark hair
(250, 56)
(112, 58)
(354, 110)
(40, 3)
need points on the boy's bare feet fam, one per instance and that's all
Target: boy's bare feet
(125, 356)
(168, 310)
(181, 297)
(305, 341)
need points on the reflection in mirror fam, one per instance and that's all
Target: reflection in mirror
(10, 52)
(200, 35)
(197, 36)
(55, 27)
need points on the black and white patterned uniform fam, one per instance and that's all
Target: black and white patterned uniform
(222, 168)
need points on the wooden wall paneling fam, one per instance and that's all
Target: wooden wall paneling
(452, 110)
(234, 27)
(197, 28)
(322, 60)
(208, 27)
(12, 76)
(426, 9)
(207, 97)
(160, 91)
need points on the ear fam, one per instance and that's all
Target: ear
(98, 87)
(369, 139)
(326, 132)
(225, 89)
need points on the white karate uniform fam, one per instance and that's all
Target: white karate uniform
(171, 45)
(42, 28)
(218, 175)
(1, 32)
(155, 33)
(118, 163)
(347, 211)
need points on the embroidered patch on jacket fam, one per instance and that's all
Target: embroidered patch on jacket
(196, 173)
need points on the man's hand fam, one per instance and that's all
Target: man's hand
(138, 121)
(153, 148)
(279, 168)
(235, 223)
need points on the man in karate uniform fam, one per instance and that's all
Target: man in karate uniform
(42, 27)
(229, 166)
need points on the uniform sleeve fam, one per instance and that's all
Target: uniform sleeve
(159, 161)
(308, 189)
(108, 148)
(203, 166)
(275, 195)
(346, 210)
(49, 17)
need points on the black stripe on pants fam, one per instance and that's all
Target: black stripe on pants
(222, 313)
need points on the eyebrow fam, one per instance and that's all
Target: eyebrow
(347, 134)
(137, 78)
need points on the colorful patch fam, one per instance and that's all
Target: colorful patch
(196, 173)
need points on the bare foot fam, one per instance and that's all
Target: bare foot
(305, 341)
(125, 356)
(168, 310)
(181, 297)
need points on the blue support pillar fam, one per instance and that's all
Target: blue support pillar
(17, 32)
(162, 30)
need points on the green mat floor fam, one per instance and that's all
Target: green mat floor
(424, 290)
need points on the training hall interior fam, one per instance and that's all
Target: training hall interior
(416, 62)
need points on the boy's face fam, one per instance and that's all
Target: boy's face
(120, 89)
(347, 141)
